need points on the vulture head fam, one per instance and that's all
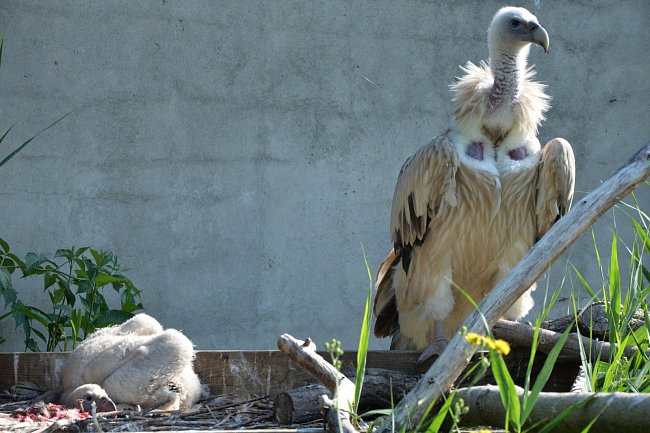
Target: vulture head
(513, 29)
(85, 395)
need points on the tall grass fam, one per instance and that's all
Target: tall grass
(624, 290)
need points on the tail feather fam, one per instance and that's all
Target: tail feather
(385, 307)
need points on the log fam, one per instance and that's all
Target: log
(446, 369)
(521, 334)
(301, 405)
(592, 321)
(621, 412)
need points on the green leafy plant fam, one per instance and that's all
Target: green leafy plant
(74, 280)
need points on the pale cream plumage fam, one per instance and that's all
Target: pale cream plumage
(137, 363)
(470, 204)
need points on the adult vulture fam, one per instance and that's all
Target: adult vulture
(470, 204)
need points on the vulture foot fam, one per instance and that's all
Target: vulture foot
(436, 347)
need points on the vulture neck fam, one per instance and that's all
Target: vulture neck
(508, 69)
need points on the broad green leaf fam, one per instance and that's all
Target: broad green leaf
(49, 280)
(99, 257)
(32, 345)
(33, 260)
(110, 318)
(3, 243)
(65, 253)
(32, 313)
(5, 279)
(16, 260)
(64, 308)
(7, 291)
(78, 252)
(102, 279)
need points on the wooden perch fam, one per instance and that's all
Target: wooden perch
(446, 369)
(621, 412)
(521, 334)
(336, 411)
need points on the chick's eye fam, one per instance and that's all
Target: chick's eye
(515, 24)
(89, 398)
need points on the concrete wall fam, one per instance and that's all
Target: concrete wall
(237, 154)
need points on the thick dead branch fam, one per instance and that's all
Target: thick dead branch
(306, 357)
(621, 412)
(442, 374)
(336, 411)
(338, 419)
(520, 334)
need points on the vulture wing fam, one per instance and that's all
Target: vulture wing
(557, 170)
(426, 183)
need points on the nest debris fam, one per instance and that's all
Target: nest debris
(215, 413)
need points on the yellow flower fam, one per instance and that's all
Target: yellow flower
(502, 346)
(492, 344)
(475, 339)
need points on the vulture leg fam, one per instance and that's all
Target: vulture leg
(439, 343)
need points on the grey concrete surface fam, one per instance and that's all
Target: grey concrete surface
(237, 154)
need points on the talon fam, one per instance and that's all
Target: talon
(435, 349)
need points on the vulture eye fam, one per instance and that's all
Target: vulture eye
(89, 398)
(515, 24)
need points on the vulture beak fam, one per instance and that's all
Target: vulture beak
(538, 35)
(106, 405)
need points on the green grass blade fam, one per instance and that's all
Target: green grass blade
(533, 348)
(22, 146)
(565, 413)
(544, 374)
(598, 260)
(488, 330)
(591, 423)
(614, 290)
(509, 396)
(585, 284)
(436, 423)
(612, 370)
(6, 132)
(364, 339)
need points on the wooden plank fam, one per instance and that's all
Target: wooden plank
(41, 369)
(244, 373)
(264, 372)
